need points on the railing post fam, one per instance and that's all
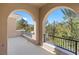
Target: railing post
(75, 47)
(44, 37)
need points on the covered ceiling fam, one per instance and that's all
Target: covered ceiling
(37, 4)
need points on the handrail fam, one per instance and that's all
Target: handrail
(67, 42)
(65, 38)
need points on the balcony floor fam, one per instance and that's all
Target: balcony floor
(21, 46)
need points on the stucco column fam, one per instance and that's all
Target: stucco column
(3, 32)
(40, 28)
(37, 32)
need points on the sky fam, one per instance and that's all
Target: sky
(25, 16)
(56, 15)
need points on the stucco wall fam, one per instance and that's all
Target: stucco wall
(11, 26)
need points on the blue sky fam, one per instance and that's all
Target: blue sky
(56, 15)
(26, 16)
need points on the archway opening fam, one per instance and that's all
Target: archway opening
(21, 22)
(20, 26)
(25, 23)
(61, 28)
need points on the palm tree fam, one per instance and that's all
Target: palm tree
(69, 16)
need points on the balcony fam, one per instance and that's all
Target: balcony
(21, 46)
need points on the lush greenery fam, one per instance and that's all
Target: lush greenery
(23, 24)
(67, 29)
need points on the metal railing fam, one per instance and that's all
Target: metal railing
(70, 45)
(27, 33)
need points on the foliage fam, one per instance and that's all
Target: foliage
(22, 24)
(68, 28)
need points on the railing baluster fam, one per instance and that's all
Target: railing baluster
(76, 47)
(72, 45)
(60, 42)
(64, 43)
(67, 44)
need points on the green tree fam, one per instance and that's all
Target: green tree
(22, 24)
(69, 16)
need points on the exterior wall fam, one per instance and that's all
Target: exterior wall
(11, 26)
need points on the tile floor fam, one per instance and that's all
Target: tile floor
(21, 46)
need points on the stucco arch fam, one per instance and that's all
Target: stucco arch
(13, 13)
(55, 8)
(49, 12)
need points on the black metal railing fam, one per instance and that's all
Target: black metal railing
(27, 33)
(70, 45)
